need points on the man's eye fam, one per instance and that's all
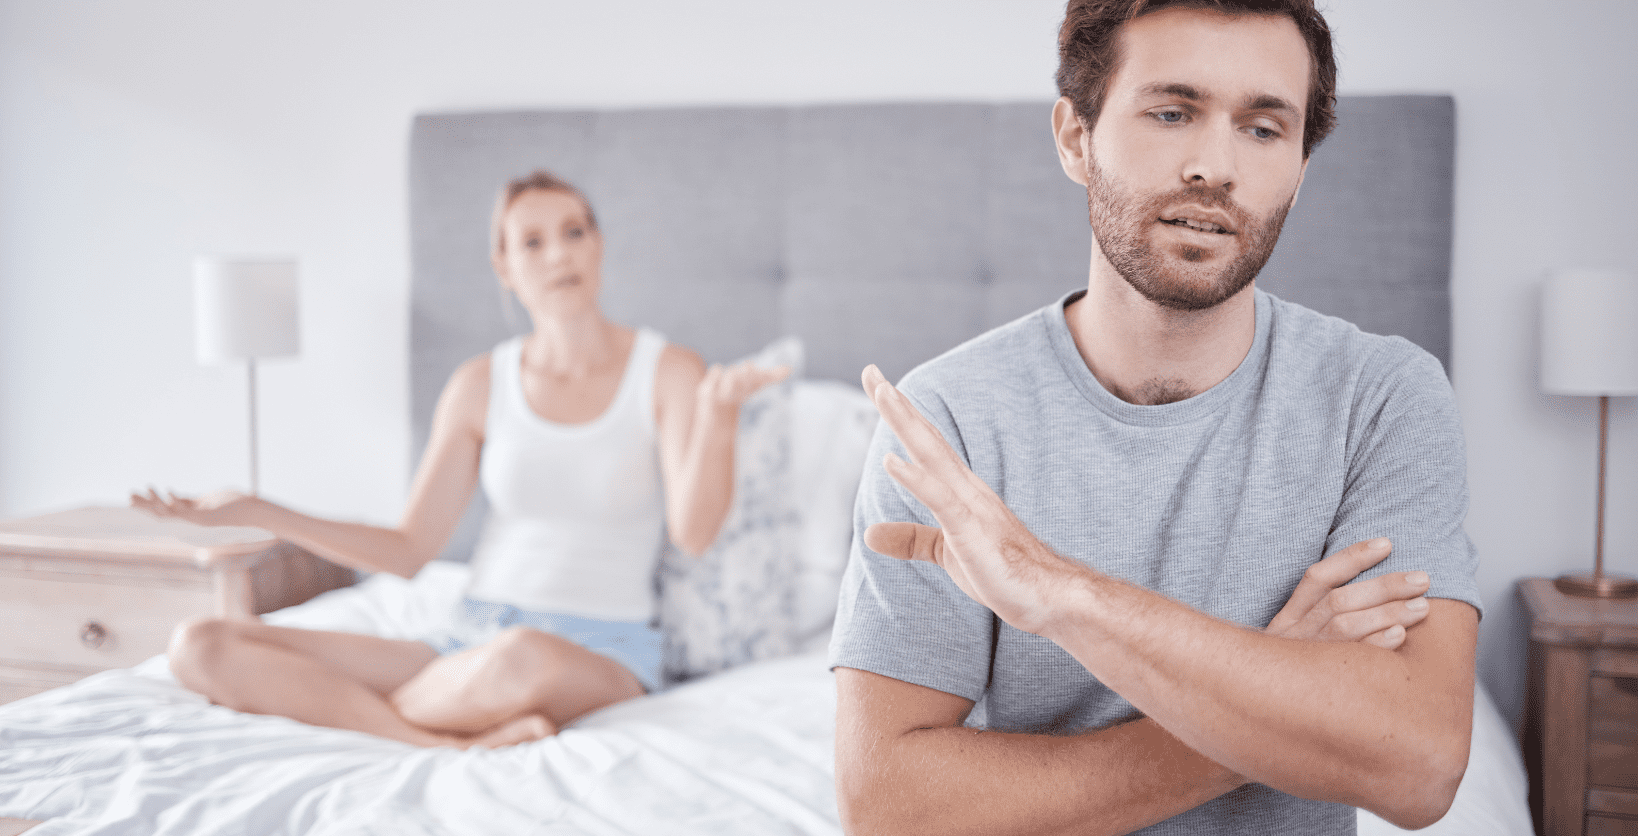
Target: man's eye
(1263, 133)
(576, 232)
(1170, 117)
(531, 243)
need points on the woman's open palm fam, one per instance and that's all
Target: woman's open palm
(225, 507)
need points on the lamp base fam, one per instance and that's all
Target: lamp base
(1589, 585)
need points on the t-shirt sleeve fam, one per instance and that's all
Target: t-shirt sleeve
(1407, 477)
(907, 619)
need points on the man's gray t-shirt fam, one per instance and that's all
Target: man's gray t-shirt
(1323, 436)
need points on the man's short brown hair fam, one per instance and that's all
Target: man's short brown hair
(1088, 52)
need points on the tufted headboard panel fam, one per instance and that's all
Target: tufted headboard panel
(882, 233)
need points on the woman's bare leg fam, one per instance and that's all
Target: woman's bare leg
(327, 679)
(519, 673)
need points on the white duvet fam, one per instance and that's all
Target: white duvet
(745, 752)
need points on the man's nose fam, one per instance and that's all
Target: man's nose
(1211, 158)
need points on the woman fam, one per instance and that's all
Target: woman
(590, 439)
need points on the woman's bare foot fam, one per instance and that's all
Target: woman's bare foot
(522, 730)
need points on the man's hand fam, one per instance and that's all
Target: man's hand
(985, 549)
(1325, 607)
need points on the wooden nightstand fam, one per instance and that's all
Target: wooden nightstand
(1581, 717)
(96, 588)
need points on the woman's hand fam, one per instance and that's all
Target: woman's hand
(725, 388)
(225, 507)
(699, 422)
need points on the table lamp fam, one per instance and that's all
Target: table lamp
(245, 310)
(1589, 348)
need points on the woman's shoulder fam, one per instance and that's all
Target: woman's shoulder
(474, 371)
(680, 360)
(466, 396)
(678, 371)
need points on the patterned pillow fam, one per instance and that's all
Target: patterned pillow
(833, 423)
(736, 602)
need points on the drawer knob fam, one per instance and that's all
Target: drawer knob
(93, 634)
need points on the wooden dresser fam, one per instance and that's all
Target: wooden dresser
(1581, 714)
(96, 588)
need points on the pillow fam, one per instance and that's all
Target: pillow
(735, 603)
(830, 436)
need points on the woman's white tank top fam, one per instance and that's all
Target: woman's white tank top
(576, 510)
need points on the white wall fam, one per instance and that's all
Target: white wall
(135, 135)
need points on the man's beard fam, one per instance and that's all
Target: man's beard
(1122, 222)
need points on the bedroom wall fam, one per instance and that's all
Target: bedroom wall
(134, 136)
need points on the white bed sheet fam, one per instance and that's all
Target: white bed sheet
(745, 752)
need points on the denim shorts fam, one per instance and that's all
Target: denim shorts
(634, 644)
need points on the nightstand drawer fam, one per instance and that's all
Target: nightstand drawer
(1611, 826)
(1612, 732)
(1613, 802)
(93, 624)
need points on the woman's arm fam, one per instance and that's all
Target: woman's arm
(439, 495)
(697, 411)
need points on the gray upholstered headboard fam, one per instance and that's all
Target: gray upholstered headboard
(882, 233)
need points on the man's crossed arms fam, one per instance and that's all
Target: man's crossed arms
(1359, 693)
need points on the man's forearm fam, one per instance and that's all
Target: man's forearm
(1112, 781)
(1338, 721)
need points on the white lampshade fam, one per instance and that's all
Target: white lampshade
(1589, 333)
(245, 309)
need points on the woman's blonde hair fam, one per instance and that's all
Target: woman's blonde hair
(537, 179)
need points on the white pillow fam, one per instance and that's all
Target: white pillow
(736, 602)
(384, 604)
(830, 434)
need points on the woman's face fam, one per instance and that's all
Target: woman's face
(553, 257)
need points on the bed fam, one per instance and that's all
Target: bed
(874, 233)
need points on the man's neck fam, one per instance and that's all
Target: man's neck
(1147, 354)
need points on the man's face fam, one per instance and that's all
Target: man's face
(1197, 154)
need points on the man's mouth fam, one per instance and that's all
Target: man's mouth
(1201, 226)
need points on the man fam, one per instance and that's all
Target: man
(1106, 534)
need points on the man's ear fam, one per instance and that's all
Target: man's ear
(1298, 190)
(1072, 139)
